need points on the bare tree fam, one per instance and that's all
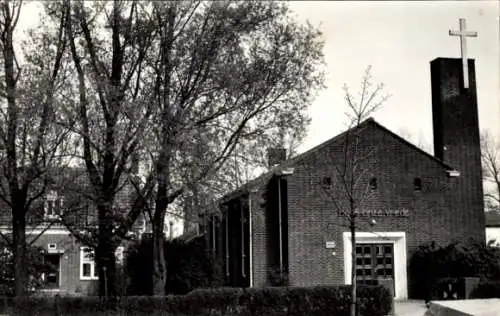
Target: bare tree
(353, 165)
(31, 143)
(490, 154)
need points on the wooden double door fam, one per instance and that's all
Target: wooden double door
(374, 263)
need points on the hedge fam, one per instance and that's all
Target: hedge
(292, 301)
(189, 267)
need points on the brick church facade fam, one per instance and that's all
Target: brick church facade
(282, 228)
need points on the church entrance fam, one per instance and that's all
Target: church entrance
(380, 258)
(375, 263)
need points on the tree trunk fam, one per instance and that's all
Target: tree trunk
(159, 264)
(353, 268)
(105, 254)
(19, 243)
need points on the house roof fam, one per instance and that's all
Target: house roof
(295, 160)
(492, 219)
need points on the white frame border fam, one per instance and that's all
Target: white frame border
(92, 266)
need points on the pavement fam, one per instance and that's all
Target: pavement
(410, 308)
(485, 307)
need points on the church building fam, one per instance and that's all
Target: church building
(290, 226)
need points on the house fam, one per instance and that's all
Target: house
(492, 221)
(283, 227)
(54, 219)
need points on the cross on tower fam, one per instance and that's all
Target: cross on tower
(463, 33)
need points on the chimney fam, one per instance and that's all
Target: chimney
(275, 156)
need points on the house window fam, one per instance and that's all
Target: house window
(373, 184)
(417, 184)
(119, 254)
(88, 270)
(53, 206)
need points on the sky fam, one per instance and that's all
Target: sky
(399, 39)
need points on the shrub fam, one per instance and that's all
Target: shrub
(189, 266)
(36, 266)
(489, 289)
(32, 305)
(456, 260)
(290, 301)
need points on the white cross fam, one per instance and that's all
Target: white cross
(463, 33)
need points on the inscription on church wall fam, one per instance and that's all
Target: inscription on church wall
(403, 212)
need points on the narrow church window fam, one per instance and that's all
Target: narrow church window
(417, 184)
(373, 184)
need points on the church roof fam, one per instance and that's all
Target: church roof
(260, 180)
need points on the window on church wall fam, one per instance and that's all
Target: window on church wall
(417, 184)
(373, 184)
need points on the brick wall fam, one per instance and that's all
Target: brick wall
(69, 263)
(435, 212)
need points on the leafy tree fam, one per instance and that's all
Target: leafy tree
(183, 87)
(226, 74)
(30, 143)
(109, 43)
(35, 268)
(190, 266)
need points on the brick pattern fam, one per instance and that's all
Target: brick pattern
(443, 209)
(69, 264)
(436, 211)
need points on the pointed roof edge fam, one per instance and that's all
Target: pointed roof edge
(290, 162)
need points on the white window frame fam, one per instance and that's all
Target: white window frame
(398, 239)
(84, 251)
(120, 255)
(53, 198)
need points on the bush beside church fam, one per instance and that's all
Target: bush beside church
(433, 264)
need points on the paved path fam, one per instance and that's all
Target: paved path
(410, 308)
